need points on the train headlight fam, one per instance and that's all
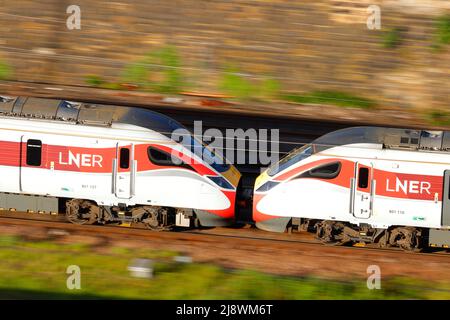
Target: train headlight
(267, 186)
(221, 182)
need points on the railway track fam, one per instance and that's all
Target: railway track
(246, 233)
(281, 254)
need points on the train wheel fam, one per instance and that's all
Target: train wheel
(408, 239)
(384, 243)
(80, 211)
(155, 218)
(330, 232)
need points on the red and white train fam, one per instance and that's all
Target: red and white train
(109, 164)
(362, 184)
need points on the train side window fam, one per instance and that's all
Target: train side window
(124, 158)
(159, 157)
(363, 178)
(162, 158)
(34, 152)
(326, 171)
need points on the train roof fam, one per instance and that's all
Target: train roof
(390, 138)
(86, 113)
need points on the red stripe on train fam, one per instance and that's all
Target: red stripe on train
(92, 160)
(388, 184)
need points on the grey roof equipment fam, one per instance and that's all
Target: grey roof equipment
(86, 113)
(392, 138)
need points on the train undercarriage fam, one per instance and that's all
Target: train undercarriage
(155, 218)
(81, 211)
(342, 233)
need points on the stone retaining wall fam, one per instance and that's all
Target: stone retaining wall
(303, 45)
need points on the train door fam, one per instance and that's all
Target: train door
(446, 200)
(10, 150)
(362, 195)
(124, 171)
(33, 162)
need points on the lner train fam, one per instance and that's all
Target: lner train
(364, 185)
(109, 164)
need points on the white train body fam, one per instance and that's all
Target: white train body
(112, 162)
(361, 176)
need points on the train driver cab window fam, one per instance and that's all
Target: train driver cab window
(34, 152)
(124, 158)
(292, 158)
(324, 171)
(162, 158)
(363, 178)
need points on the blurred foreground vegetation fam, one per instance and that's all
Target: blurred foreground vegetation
(36, 270)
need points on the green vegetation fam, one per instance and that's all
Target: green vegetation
(98, 82)
(239, 86)
(38, 270)
(341, 99)
(5, 70)
(439, 117)
(136, 73)
(158, 71)
(269, 89)
(442, 36)
(111, 86)
(94, 80)
(392, 38)
(171, 74)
